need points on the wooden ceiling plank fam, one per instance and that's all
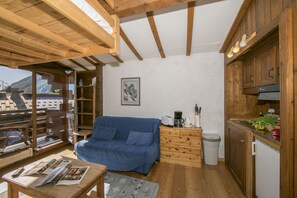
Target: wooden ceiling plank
(90, 61)
(70, 55)
(5, 62)
(13, 56)
(146, 6)
(118, 59)
(26, 24)
(63, 65)
(100, 9)
(152, 23)
(78, 64)
(67, 8)
(129, 44)
(97, 60)
(30, 42)
(21, 50)
(191, 8)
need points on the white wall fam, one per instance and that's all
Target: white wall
(170, 84)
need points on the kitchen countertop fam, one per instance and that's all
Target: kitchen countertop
(265, 136)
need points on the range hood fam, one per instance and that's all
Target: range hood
(269, 92)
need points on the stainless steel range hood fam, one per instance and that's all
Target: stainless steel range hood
(269, 92)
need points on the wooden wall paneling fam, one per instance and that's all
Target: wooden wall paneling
(99, 91)
(263, 14)
(243, 9)
(238, 105)
(295, 92)
(287, 105)
(276, 8)
(250, 19)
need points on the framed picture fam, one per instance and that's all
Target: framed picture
(130, 91)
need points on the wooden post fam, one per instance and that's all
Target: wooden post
(286, 105)
(34, 113)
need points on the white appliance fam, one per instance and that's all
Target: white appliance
(167, 120)
(267, 165)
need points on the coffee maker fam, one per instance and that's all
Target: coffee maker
(178, 119)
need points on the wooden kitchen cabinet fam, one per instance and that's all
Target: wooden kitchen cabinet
(238, 156)
(261, 68)
(181, 146)
(267, 67)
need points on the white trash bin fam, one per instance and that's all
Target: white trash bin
(211, 144)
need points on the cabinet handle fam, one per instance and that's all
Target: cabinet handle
(252, 78)
(269, 73)
(253, 148)
(242, 141)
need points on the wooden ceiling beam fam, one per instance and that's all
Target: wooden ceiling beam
(78, 64)
(32, 43)
(106, 6)
(26, 24)
(191, 8)
(110, 3)
(97, 60)
(90, 61)
(118, 59)
(21, 50)
(13, 56)
(129, 44)
(151, 20)
(135, 7)
(67, 8)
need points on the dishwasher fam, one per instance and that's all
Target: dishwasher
(267, 170)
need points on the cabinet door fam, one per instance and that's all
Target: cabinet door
(266, 69)
(249, 73)
(237, 155)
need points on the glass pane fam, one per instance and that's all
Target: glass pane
(15, 110)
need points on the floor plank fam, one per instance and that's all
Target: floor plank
(175, 181)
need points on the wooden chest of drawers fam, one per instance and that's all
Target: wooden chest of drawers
(181, 146)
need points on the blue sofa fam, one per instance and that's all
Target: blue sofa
(122, 152)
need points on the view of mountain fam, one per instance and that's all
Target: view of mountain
(26, 85)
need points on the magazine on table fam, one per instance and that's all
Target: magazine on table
(47, 167)
(67, 175)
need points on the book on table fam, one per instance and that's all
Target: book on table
(59, 172)
(46, 167)
(67, 175)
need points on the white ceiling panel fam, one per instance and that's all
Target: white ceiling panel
(172, 28)
(140, 34)
(212, 23)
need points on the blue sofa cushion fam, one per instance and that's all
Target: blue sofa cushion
(140, 138)
(104, 133)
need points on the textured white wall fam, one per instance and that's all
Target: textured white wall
(170, 84)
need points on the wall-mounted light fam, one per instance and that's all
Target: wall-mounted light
(243, 41)
(236, 47)
(230, 54)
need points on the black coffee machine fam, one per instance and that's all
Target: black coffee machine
(178, 119)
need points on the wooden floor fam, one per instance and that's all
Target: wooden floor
(174, 180)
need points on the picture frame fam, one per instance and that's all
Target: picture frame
(130, 91)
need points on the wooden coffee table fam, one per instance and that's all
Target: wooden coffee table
(26, 184)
